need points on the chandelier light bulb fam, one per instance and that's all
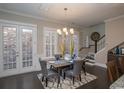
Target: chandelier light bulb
(71, 30)
(65, 30)
(59, 31)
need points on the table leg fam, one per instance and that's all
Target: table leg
(59, 71)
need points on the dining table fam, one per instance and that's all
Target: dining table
(59, 64)
(62, 63)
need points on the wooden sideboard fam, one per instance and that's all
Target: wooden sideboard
(115, 66)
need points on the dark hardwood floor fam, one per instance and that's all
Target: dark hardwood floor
(30, 81)
(23, 81)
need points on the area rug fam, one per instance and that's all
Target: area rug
(67, 82)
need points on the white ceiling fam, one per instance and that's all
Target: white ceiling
(83, 14)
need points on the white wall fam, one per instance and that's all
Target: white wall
(114, 30)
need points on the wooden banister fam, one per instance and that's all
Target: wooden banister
(101, 37)
(92, 45)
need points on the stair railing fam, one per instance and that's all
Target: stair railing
(101, 43)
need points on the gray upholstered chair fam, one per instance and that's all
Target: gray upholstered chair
(47, 73)
(76, 71)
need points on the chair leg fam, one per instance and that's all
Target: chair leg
(80, 77)
(73, 79)
(42, 78)
(46, 82)
(58, 81)
(84, 69)
(51, 67)
(64, 76)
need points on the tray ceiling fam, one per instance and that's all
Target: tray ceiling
(82, 14)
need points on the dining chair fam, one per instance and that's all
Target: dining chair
(47, 73)
(58, 56)
(76, 71)
(112, 71)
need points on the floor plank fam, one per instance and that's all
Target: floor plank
(30, 81)
(23, 81)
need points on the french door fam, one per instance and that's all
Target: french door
(18, 47)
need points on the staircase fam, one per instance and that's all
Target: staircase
(100, 47)
(102, 55)
(100, 44)
(114, 31)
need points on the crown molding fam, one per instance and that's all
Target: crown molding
(41, 18)
(114, 18)
(16, 22)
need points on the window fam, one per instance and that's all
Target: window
(50, 42)
(9, 47)
(27, 47)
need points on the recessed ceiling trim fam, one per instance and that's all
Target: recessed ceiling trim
(41, 18)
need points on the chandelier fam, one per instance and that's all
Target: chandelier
(65, 30)
(63, 34)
